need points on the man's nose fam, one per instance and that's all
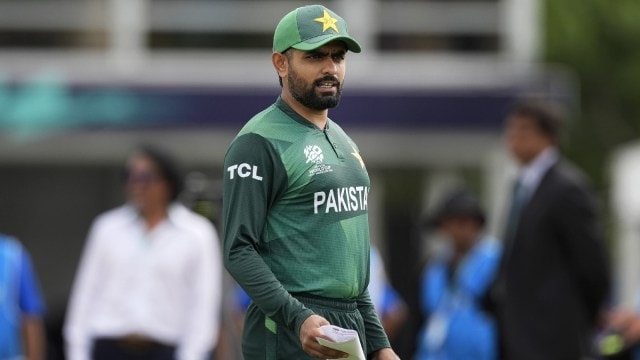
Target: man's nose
(330, 67)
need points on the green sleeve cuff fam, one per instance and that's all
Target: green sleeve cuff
(375, 335)
(300, 318)
(373, 346)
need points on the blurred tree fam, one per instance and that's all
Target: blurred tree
(600, 41)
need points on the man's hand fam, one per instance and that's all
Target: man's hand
(385, 354)
(625, 321)
(309, 331)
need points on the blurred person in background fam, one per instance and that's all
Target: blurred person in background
(455, 282)
(295, 204)
(554, 277)
(22, 334)
(149, 281)
(390, 307)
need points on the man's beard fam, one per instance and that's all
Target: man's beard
(307, 96)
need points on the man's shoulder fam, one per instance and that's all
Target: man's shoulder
(567, 183)
(262, 123)
(272, 130)
(189, 218)
(488, 249)
(196, 226)
(9, 244)
(4, 238)
(115, 217)
(567, 174)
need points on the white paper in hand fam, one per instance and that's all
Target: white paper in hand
(345, 340)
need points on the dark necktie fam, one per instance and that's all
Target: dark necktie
(497, 293)
(518, 200)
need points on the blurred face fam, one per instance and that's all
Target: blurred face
(314, 78)
(146, 188)
(524, 139)
(462, 232)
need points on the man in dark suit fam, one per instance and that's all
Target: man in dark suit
(554, 275)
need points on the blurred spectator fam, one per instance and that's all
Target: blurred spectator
(554, 277)
(454, 283)
(242, 304)
(390, 307)
(149, 283)
(21, 305)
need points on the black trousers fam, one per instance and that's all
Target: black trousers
(123, 349)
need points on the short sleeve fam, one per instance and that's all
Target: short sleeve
(30, 299)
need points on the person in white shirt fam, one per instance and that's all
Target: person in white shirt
(149, 281)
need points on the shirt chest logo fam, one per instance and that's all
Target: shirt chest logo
(314, 155)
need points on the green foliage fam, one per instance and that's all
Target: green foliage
(600, 41)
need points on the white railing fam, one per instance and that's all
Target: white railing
(126, 24)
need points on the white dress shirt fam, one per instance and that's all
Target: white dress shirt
(531, 174)
(165, 284)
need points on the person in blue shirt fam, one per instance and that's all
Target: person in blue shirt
(21, 306)
(454, 283)
(390, 307)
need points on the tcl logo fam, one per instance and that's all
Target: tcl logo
(244, 170)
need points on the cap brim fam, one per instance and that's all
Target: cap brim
(318, 41)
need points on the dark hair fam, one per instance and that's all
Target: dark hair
(546, 116)
(167, 167)
(459, 203)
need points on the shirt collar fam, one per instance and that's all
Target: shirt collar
(531, 174)
(173, 213)
(285, 108)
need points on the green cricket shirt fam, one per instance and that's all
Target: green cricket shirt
(295, 215)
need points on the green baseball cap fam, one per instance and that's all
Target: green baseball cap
(309, 27)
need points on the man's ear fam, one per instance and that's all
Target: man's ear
(280, 63)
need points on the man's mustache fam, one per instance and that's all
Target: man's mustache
(327, 78)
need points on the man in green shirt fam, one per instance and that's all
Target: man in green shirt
(296, 234)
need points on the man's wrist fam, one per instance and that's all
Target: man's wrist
(300, 318)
